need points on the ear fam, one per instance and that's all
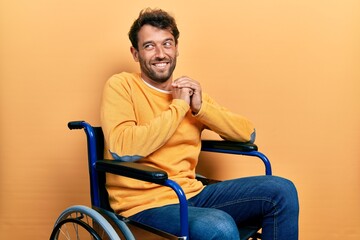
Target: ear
(135, 53)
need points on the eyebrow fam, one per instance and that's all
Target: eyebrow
(151, 41)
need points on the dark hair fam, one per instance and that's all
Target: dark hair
(156, 18)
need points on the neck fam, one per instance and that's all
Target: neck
(166, 86)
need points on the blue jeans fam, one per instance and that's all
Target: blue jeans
(266, 202)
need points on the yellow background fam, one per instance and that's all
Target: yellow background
(293, 67)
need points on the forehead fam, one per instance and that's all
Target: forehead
(150, 33)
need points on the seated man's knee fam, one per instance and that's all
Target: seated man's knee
(288, 188)
(216, 224)
(284, 192)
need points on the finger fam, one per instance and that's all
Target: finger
(183, 79)
(187, 91)
(186, 84)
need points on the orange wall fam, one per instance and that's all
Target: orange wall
(293, 67)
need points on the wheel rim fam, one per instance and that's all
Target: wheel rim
(78, 225)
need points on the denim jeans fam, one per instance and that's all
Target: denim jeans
(266, 202)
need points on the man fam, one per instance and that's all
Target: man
(157, 121)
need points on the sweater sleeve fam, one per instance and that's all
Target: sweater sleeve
(228, 125)
(126, 138)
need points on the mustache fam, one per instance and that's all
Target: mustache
(164, 59)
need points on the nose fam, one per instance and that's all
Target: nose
(160, 52)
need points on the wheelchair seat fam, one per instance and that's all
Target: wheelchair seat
(100, 221)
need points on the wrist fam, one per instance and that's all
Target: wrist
(195, 110)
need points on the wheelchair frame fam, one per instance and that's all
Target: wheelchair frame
(98, 167)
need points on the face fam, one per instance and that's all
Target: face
(156, 55)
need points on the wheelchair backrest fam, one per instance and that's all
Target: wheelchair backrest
(103, 197)
(95, 147)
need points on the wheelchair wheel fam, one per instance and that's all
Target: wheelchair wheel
(81, 222)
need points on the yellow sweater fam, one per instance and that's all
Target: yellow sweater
(146, 125)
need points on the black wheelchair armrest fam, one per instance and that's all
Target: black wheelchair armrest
(132, 170)
(238, 148)
(214, 145)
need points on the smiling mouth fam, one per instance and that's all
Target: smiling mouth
(160, 65)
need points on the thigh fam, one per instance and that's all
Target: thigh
(247, 200)
(204, 223)
(222, 207)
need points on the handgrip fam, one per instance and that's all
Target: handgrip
(76, 125)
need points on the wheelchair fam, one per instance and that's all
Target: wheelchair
(100, 221)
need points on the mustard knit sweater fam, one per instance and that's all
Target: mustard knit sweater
(146, 125)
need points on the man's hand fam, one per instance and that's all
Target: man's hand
(195, 92)
(182, 93)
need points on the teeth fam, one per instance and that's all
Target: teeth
(160, 64)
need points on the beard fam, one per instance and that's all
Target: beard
(159, 76)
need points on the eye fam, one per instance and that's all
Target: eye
(148, 46)
(168, 44)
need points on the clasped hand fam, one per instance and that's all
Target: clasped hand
(189, 90)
